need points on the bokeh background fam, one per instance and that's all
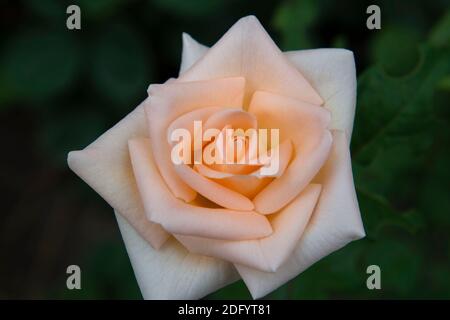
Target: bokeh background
(60, 89)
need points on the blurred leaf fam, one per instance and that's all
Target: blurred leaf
(294, 19)
(378, 214)
(41, 64)
(434, 196)
(396, 50)
(192, 8)
(121, 66)
(440, 34)
(393, 110)
(400, 265)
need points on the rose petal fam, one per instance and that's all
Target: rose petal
(247, 50)
(186, 121)
(171, 100)
(248, 185)
(172, 272)
(105, 166)
(213, 191)
(266, 254)
(330, 71)
(306, 125)
(336, 221)
(192, 51)
(178, 217)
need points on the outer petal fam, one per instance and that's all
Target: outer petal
(192, 51)
(268, 253)
(330, 71)
(105, 166)
(172, 272)
(176, 216)
(336, 221)
(247, 50)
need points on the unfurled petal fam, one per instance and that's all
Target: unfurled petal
(105, 166)
(168, 102)
(330, 71)
(247, 50)
(178, 217)
(214, 191)
(172, 272)
(335, 222)
(306, 125)
(266, 254)
(192, 51)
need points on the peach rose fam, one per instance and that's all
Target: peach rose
(192, 228)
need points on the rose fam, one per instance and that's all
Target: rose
(268, 229)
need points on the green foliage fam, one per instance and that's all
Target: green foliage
(294, 20)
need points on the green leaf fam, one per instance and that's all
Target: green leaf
(396, 50)
(391, 110)
(440, 34)
(400, 265)
(294, 19)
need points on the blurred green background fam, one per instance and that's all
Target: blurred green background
(60, 89)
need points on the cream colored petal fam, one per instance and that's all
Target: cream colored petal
(306, 125)
(172, 272)
(105, 166)
(330, 71)
(168, 102)
(266, 254)
(247, 50)
(335, 222)
(192, 51)
(178, 217)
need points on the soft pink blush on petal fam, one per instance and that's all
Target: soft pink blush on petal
(251, 184)
(247, 50)
(336, 221)
(105, 166)
(178, 217)
(168, 102)
(213, 191)
(306, 125)
(331, 71)
(268, 253)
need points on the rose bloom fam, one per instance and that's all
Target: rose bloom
(191, 229)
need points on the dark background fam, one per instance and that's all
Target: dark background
(60, 89)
